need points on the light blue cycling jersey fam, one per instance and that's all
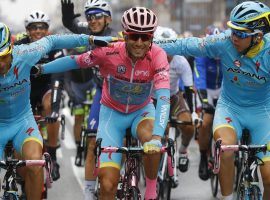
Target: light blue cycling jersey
(15, 85)
(245, 80)
(245, 92)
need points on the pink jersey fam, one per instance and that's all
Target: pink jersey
(127, 87)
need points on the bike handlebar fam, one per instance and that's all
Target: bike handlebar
(247, 148)
(133, 150)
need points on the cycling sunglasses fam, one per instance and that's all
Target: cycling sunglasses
(136, 36)
(95, 16)
(34, 27)
(242, 34)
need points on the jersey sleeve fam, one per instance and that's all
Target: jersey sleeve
(33, 52)
(90, 58)
(211, 46)
(161, 71)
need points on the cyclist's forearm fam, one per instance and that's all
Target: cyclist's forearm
(162, 111)
(60, 65)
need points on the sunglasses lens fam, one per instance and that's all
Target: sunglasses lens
(38, 26)
(135, 37)
(240, 34)
(94, 16)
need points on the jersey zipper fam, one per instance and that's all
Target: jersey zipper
(131, 81)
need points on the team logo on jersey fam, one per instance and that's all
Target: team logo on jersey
(257, 65)
(228, 119)
(144, 114)
(237, 63)
(16, 72)
(121, 69)
(30, 130)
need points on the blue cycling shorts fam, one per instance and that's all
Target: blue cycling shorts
(19, 131)
(256, 119)
(112, 129)
(93, 119)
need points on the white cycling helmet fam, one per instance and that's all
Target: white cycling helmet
(139, 19)
(37, 16)
(162, 33)
(97, 6)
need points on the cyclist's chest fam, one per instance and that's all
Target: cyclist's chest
(246, 72)
(139, 72)
(15, 82)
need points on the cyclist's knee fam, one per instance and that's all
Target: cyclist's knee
(108, 183)
(32, 150)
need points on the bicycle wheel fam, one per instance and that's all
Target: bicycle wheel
(164, 187)
(255, 193)
(242, 193)
(213, 177)
(10, 196)
(134, 194)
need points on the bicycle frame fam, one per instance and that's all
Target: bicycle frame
(248, 182)
(11, 165)
(129, 181)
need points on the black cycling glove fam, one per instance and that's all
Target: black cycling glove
(68, 12)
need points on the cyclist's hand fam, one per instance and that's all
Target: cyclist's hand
(103, 41)
(153, 146)
(195, 119)
(36, 70)
(68, 10)
(52, 118)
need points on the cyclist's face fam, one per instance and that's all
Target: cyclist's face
(239, 43)
(138, 44)
(37, 30)
(97, 22)
(5, 63)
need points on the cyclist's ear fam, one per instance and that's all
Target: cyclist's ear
(258, 38)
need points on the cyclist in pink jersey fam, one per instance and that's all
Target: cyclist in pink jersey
(131, 70)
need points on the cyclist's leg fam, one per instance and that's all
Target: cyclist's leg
(226, 127)
(112, 134)
(203, 140)
(260, 134)
(181, 111)
(142, 128)
(28, 142)
(53, 132)
(92, 125)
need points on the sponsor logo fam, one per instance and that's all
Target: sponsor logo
(228, 119)
(163, 114)
(257, 65)
(14, 85)
(164, 41)
(142, 73)
(30, 130)
(121, 69)
(251, 75)
(165, 99)
(112, 53)
(145, 114)
(237, 63)
(16, 72)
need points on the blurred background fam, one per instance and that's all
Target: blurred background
(185, 16)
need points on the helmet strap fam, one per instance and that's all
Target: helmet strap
(252, 44)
